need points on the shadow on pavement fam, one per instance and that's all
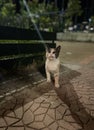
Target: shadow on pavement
(66, 93)
(69, 96)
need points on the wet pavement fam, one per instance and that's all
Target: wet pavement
(40, 106)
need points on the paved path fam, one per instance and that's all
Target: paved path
(44, 107)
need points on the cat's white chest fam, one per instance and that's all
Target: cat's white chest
(52, 65)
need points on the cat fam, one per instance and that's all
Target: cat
(52, 64)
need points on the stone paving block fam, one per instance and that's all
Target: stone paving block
(69, 119)
(10, 120)
(58, 115)
(45, 96)
(55, 104)
(53, 126)
(65, 125)
(92, 98)
(52, 92)
(48, 120)
(12, 114)
(37, 125)
(52, 98)
(34, 107)
(28, 105)
(60, 128)
(2, 128)
(15, 128)
(68, 112)
(83, 116)
(51, 113)
(39, 100)
(28, 117)
(76, 126)
(92, 113)
(61, 109)
(2, 122)
(39, 118)
(26, 128)
(40, 111)
(91, 102)
(19, 112)
(89, 106)
(45, 105)
(64, 105)
(46, 129)
(18, 124)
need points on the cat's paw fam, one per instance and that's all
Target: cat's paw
(57, 85)
(48, 80)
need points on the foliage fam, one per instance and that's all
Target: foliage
(73, 10)
(6, 12)
(8, 17)
(43, 16)
(40, 13)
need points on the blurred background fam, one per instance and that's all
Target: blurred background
(57, 15)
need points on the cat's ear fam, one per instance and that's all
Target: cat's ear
(47, 49)
(58, 48)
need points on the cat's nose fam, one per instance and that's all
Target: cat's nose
(51, 56)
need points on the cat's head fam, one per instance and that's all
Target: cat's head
(53, 53)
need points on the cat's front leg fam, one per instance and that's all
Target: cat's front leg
(48, 76)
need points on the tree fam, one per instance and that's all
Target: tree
(8, 17)
(43, 16)
(73, 11)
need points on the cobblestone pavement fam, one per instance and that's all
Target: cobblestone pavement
(44, 107)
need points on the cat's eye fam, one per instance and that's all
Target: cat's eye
(54, 52)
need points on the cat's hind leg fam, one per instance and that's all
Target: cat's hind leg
(56, 78)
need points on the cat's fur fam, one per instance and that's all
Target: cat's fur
(52, 64)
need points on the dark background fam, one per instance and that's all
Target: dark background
(87, 7)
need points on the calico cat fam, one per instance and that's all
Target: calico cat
(52, 64)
